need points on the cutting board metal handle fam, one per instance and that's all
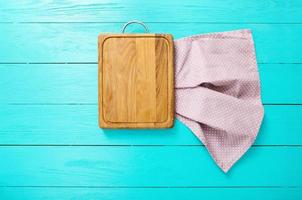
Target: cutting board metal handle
(135, 22)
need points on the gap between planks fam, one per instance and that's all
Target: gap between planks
(94, 104)
(149, 22)
(140, 145)
(95, 63)
(150, 187)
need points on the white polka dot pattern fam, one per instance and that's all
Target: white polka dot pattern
(217, 92)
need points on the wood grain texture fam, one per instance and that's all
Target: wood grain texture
(136, 81)
(162, 166)
(77, 42)
(54, 193)
(56, 104)
(74, 124)
(78, 83)
(212, 11)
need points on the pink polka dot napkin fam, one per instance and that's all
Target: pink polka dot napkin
(217, 92)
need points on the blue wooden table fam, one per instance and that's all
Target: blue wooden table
(50, 143)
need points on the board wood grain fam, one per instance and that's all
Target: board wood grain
(136, 81)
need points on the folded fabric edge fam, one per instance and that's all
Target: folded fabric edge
(225, 167)
(230, 32)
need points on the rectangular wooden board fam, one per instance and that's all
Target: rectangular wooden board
(136, 81)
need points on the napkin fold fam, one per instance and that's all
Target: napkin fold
(217, 90)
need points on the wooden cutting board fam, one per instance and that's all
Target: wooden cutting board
(136, 81)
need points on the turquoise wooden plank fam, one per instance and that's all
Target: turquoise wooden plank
(78, 125)
(146, 167)
(275, 43)
(138, 166)
(78, 83)
(151, 193)
(157, 10)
